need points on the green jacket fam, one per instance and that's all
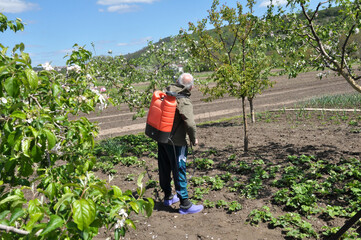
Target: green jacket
(184, 123)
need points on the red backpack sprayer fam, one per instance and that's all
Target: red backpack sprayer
(161, 116)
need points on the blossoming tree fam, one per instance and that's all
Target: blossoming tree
(47, 187)
(235, 49)
(134, 80)
(306, 43)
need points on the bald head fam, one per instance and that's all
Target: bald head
(186, 79)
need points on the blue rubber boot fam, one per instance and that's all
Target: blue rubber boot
(191, 210)
(168, 202)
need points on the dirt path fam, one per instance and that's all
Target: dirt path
(285, 93)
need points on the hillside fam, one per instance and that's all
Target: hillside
(324, 16)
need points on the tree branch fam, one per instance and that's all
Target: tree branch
(317, 39)
(346, 41)
(13, 229)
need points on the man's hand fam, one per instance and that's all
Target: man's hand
(195, 142)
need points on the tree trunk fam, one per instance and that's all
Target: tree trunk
(245, 127)
(253, 117)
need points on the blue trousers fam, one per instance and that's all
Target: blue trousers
(172, 159)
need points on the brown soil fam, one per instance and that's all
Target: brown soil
(274, 137)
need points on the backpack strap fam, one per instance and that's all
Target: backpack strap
(176, 95)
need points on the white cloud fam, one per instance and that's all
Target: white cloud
(136, 42)
(122, 6)
(117, 2)
(266, 3)
(16, 6)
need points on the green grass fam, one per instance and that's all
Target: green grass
(349, 101)
(219, 120)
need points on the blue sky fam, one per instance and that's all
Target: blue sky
(123, 26)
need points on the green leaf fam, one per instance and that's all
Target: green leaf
(17, 213)
(83, 213)
(25, 145)
(12, 87)
(54, 223)
(149, 207)
(11, 198)
(36, 153)
(140, 179)
(11, 138)
(51, 190)
(50, 137)
(26, 169)
(34, 206)
(34, 217)
(18, 114)
(34, 131)
(32, 77)
(117, 234)
(135, 207)
(117, 191)
(4, 214)
(56, 89)
(65, 198)
(130, 223)
(2, 70)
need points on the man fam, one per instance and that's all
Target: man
(172, 156)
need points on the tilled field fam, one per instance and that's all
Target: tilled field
(285, 93)
(328, 137)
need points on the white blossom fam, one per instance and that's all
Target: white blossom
(75, 68)
(111, 177)
(321, 75)
(3, 100)
(46, 66)
(30, 120)
(103, 103)
(120, 223)
(357, 30)
(56, 149)
(123, 213)
(327, 47)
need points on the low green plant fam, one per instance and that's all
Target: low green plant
(235, 187)
(226, 176)
(221, 203)
(294, 226)
(353, 123)
(199, 193)
(203, 163)
(130, 160)
(243, 167)
(351, 101)
(151, 184)
(197, 181)
(234, 206)
(216, 183)
(129, 177)
(209, 204)
(335, 211)
(263, 215)
(350, 234)
(253, 188)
